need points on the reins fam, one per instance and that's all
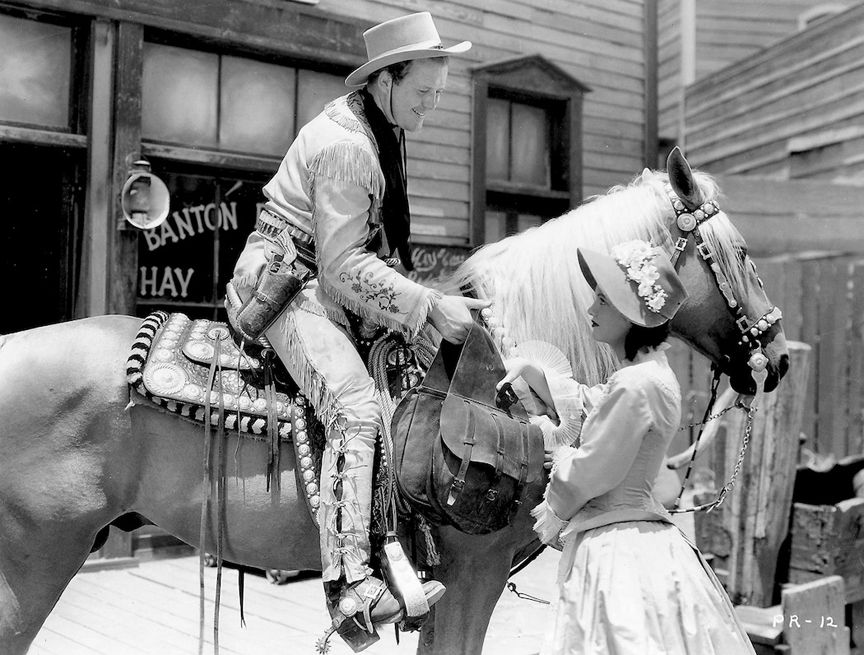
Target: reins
(215, 367)
(750, 408)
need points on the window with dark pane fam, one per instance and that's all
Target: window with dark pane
(521, 179)
(223, 104)
(527, 136)
(185, 262)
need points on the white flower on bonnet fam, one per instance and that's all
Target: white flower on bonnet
(636, 258)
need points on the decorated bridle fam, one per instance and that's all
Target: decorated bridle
(690, 213)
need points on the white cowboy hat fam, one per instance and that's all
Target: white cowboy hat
(401, 39)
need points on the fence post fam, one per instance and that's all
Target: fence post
(746, 532)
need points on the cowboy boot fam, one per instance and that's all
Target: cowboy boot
(357, 601)
(357, 608)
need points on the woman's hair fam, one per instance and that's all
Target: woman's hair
(644, 337)
(397, 71)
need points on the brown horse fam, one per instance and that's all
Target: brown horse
(75, 454)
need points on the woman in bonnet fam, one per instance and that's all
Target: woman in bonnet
(629, 581)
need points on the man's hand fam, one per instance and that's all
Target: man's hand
(451, 316)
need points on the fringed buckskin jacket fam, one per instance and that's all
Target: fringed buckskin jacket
(330, 187)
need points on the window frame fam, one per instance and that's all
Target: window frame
(74, 135)
(218, 158)
(537, 81)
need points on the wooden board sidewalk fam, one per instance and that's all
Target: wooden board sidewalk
(153, 609)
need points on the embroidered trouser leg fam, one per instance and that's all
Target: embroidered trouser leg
(323, 360)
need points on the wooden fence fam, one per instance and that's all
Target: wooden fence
(822, 299)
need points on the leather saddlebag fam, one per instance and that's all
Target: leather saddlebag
(462, 459)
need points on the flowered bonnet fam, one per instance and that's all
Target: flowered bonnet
(638, 279)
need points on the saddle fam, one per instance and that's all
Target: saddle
(170, 364)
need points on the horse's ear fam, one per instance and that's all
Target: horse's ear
(647, 174)
(681, 179)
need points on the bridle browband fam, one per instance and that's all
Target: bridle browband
(688, 221)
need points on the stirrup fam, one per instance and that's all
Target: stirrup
(354, 615)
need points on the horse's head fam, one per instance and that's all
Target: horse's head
(539, 293)
(728, 316)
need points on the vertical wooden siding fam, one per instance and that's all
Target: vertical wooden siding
(822, 300)
(669, 68)
(807, 240)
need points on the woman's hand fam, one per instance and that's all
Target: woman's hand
(515, 368)
(532, 374)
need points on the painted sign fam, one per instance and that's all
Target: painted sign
(432, 264)
(185, 262)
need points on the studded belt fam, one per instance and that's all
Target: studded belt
(271, 226)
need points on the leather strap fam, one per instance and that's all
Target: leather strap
(499, 459)
(523, 468)
(468, 441)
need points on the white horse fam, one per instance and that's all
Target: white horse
(539, 293)
(76, 457)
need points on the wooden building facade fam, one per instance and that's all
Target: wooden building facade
(791, 111)
(552, 103)
(697, 39)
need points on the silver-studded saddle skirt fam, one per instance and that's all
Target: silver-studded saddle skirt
(170, 365)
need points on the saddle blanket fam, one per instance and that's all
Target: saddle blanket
(170, 365)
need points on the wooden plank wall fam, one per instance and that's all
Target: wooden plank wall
(729, 31)
(723, 33)
(778, 217)
(821, 296)
(601, 43)
(771, 113)
(598, 42)
(669, 73)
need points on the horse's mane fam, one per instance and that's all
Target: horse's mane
(534, 279)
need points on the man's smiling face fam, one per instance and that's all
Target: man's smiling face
(417, 95)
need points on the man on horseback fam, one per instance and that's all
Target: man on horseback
(322, 261)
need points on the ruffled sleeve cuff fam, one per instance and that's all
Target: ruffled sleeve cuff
(568, 407)
(547, 526)
(564, 391)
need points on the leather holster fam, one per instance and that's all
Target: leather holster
(278, 285)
